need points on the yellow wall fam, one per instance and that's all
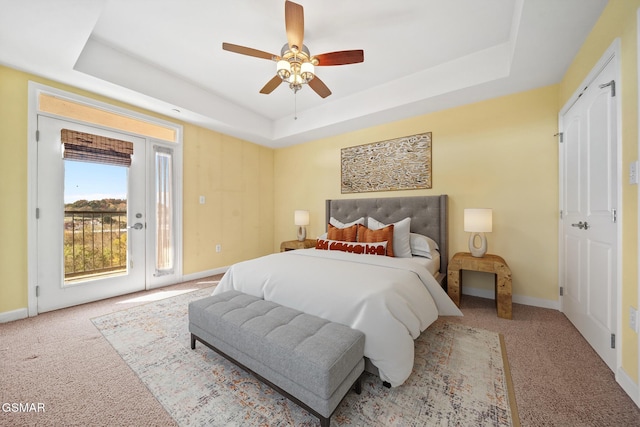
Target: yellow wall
(619, 20)
(235, 176)
(500, 154)
(13, 175)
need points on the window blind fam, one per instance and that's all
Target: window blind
(87, 147)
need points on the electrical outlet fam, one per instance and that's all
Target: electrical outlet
(633, 319)
(218, 248)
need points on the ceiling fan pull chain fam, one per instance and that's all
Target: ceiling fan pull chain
(295, 106)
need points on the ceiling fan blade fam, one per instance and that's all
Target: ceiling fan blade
(271, 85)
(247, 51)
(294, 23)
(319, 87)
(342, 57)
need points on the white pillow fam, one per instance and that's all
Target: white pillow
(339, 224)
(401, 238)
(422, 245)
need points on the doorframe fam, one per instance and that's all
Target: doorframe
(613, 53)
(34, 90)
(636, 395)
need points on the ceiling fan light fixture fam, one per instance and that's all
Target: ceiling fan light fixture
(295, 79)
(307, 71)
(283, 69)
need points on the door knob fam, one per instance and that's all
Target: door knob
(136, 226)
(581, 225)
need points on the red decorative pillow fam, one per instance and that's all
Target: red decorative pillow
(385, 234)
(347, 234)
(378, 248)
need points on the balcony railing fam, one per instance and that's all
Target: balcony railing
(95, 243)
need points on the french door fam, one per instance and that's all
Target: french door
(87, 253)
(589, 225)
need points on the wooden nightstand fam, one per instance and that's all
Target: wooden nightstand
(296, 244)
(489, 264)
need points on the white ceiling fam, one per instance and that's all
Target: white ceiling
(420, 56)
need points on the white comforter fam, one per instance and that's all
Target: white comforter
(391, 300)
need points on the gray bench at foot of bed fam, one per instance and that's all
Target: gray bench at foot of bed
(310, 360)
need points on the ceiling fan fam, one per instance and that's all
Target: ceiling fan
(296, 65)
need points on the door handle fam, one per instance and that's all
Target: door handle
(137, 226)
(581, 225)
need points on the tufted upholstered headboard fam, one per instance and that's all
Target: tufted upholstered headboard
(428, 216)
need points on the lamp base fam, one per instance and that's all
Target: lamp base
(477, 251)
(302, 234)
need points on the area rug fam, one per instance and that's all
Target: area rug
(460, 377)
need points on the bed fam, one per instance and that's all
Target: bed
(390, 299)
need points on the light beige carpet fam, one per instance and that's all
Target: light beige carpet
(60, 359)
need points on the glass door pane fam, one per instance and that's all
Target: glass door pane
(165, 247)
(95, 221)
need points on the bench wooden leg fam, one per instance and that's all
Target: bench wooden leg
(193, 342)
(358, 385)
(325, 422)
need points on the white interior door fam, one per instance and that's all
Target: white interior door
(589, 201)
(80, 269)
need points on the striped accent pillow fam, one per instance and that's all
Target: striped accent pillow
(347, 234)
(366, 235)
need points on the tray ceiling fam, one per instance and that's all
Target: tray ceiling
(420, 56)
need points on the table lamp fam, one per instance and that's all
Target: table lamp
(478, 222)
(301, 218)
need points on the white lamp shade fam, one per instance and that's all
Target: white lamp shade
(284, 69)
(307, 71)
(307, 67)
(478, 220)
(301, 217)
(295, 79)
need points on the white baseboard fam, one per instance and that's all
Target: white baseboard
(518, 299)
(628, 386)
(202, 274)
(536, 302)
(10, 316)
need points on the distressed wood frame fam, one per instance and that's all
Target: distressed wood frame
(395, 164)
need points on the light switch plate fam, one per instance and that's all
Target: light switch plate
(633, 173)
(202, 200)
